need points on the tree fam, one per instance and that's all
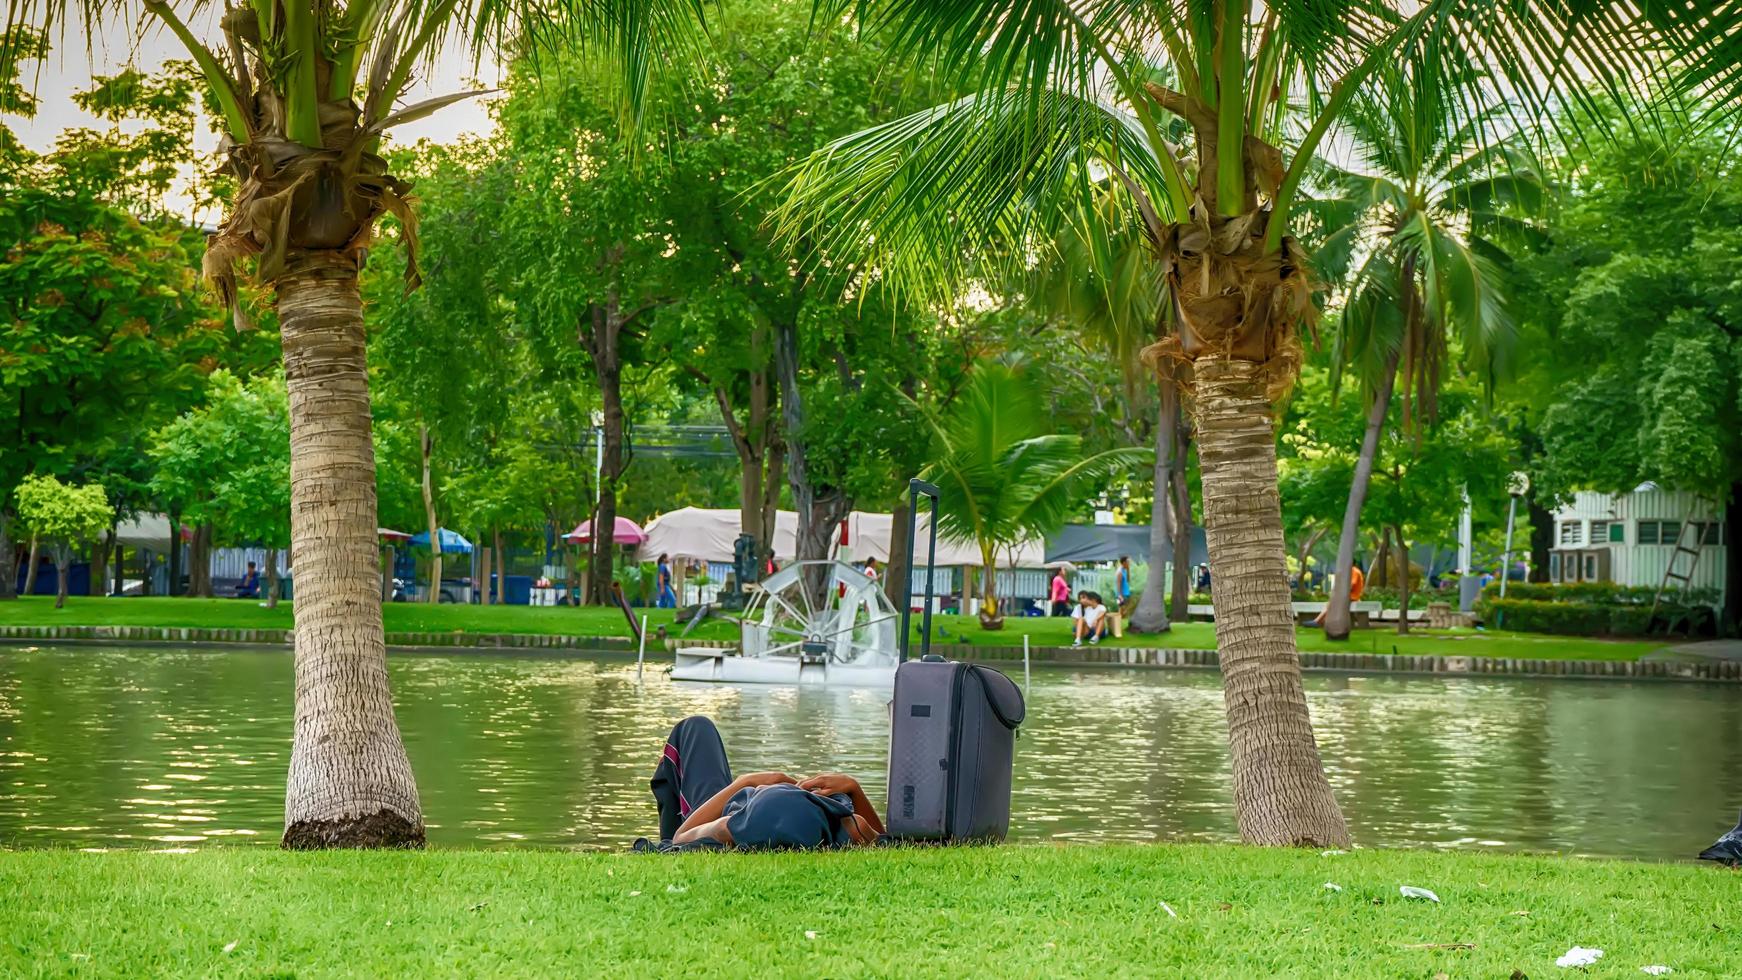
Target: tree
(1641, 326)
(102, 331)
(448, 356)
(1005, 475)
(1433, 204)
(305, 91)
(226, 466)
(1064, 92)
(1101, 281)
(65, 516)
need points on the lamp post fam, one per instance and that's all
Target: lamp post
(1517, 485)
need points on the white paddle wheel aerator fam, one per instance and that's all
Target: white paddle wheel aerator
(812, 622)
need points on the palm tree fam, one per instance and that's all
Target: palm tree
(1066, 92)
(1098, 278)
(1005, 476)
(305, 89)
(1428, 205)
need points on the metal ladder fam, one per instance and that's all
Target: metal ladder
(1683, 579)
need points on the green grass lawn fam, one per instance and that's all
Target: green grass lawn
(1012, 911)
(423, 618)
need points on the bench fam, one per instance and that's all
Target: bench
(1361, 614)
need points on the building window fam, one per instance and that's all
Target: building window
(1572, 533)
(1618, 532)
(1670, 532)
(1599, 532)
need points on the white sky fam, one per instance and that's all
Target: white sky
(75, 59)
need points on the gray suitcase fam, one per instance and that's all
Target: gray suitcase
(952, 739)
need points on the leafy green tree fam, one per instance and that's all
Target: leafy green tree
(1433, 204)
(1005, 475)
(305, 89)
(65, 516)
(1063, 93)
(1641, 326)
(226, 464)
(447, 358)
(102, 331)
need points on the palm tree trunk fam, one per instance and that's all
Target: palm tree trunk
(1281, 796)
(350, 782)
(1181, 593)
(1402, 579)
(429, 517)
(899, 571)
(990, 616)
(1150, 616)
(272, 578)
(1337, 618)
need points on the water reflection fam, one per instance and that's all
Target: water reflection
(165, 749)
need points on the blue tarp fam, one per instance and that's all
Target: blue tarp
(1106, 542)
(452, 542)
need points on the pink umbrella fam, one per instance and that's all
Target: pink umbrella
(389, 534)
(623, 531)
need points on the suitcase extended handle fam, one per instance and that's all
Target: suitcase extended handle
(917, 488)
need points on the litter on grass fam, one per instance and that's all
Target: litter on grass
(1332, 886)
(230, 947)
(1656, 970)
(1169, 910)
(1578, 956)
(1410, 891)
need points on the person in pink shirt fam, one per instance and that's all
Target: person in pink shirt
(1061, 594)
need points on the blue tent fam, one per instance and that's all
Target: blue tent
(452, 542)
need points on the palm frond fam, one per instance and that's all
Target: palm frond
(960, 191)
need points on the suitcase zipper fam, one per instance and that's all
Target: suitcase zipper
(955, 756)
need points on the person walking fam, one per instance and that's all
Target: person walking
(667, 597)
(1061, 593)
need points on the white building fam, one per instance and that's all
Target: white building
(1628, 538)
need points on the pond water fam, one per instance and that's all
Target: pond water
(159, 748)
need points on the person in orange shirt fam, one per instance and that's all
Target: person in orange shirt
(1357, 585)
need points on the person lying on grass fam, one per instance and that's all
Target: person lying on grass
(700, 803)
(1088, 620)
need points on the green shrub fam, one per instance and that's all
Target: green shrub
(1572, 618)
(1600, 593)
(1539, 616)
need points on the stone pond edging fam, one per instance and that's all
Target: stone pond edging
(1365, 663)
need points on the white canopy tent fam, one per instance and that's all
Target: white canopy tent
(708, 535)
(144, 531)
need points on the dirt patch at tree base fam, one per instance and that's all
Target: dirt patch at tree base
(382, 829)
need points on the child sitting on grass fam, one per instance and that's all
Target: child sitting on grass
(701, 804)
